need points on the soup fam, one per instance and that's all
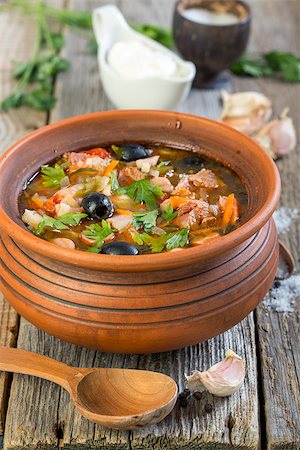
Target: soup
(132, 199)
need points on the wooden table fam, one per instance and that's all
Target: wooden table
(265, 412)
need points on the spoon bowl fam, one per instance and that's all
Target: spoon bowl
(115, 398)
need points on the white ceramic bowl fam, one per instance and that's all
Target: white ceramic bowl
(147, 93)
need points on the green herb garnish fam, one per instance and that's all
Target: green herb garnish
(168, 240)
(270, 64)
(59, 223)
(98, 233)
(52, 176)
(145, 220)
(179, 239)
(143, 191)
(169, 214)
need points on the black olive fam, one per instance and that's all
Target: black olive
(119, 248)
(97, 206)
(132, 152)
(190, 163)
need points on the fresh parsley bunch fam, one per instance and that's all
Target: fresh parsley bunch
(286, 65)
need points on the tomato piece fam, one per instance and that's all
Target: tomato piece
(98, 152)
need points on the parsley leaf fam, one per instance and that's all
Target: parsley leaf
(156, 244)
(52, 176)
(286, 63)
(72, 218)
(170, 241)
(143, 191)
(169, 214)
(179, 239)
(270, 64)
(49, 222)
(97, 233)
(145, 220)
(60, 223)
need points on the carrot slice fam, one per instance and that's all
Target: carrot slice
(176, 201)
(228, 210)
(235, 212)
(98, 152)
(112, 165)
(37, 202)
(124, 212)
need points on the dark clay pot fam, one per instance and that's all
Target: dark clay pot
(143, 303)
(212, 48)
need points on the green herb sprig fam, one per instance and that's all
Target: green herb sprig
(143, 191)
(59, 223)
(284, 65)
(169, 240)
(98, 233)
(52, 176)
(35, 76)
(145, 220)
(169, 214)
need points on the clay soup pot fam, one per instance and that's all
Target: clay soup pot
(143, 303)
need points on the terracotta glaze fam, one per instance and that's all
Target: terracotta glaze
(143, 303)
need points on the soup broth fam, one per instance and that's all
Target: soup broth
(131, 199)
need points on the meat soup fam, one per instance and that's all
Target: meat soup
(131, 199)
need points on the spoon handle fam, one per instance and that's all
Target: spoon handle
(28, 363)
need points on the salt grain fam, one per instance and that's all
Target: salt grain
(282, 296)
(284, 217)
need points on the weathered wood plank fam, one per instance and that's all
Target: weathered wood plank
(276, 26)
(16, 37)
(8, 337)
(232, 423)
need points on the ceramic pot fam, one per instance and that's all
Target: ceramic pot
(212, 48)
(143, 303)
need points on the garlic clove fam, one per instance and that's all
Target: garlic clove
(247, 112)
(278, 137)
(222, 379)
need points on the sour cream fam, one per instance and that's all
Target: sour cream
(206, 17)
(135, 60)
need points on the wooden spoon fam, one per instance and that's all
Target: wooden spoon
(115, 398)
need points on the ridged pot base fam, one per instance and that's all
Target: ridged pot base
(158, 311)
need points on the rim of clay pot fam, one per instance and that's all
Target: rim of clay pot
(148, 262)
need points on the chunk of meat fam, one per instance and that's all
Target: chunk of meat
(183, 187)
(129, 174)
(145, 164)
(75, 158)
(192, 213)
(88, 161)
(120, 222)
(164, 183)
(204, 178)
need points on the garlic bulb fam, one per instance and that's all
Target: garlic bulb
(222, 379)
(247, 112)
(278, 137)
